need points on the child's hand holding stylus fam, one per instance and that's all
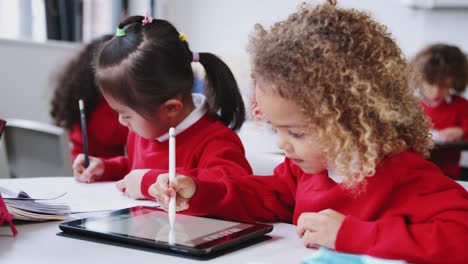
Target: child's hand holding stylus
(183, 188)
(92, 173)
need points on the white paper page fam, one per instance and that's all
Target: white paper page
(81, 197)
(11, 189)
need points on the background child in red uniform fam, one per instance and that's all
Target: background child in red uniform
(333, 83)
(145, 75)
(106, 136)
(444, 73)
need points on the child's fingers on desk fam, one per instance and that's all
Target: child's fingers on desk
(310, 239)
(309, 222)
(121, 185)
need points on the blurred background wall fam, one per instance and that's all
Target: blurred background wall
(42, 34)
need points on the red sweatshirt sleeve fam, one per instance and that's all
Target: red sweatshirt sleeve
(431, 227)
(249, 198)
(115, 168)
(219, 158)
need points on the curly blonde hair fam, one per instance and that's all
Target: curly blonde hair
(351, 81)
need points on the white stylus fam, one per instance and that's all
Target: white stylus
(172, 158)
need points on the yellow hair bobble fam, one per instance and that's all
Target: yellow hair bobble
(182, 36)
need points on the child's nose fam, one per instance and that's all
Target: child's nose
(282, 143)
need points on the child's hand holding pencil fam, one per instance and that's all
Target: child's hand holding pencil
(92, 173)
(85, 168)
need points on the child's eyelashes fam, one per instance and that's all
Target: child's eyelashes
(295, 134)
(121, 114)
(291, 133)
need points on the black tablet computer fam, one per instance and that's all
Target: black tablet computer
(149, 227)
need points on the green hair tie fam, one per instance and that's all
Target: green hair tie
(120, 32)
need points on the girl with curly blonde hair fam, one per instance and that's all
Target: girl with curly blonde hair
(333, 84)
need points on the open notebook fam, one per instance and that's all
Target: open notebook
(24, 207)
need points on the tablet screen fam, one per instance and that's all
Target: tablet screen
(151, 224)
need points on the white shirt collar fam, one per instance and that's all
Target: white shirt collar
(448, 99)
(201, 107)
(334, 177)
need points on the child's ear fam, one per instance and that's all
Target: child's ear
(172, 107)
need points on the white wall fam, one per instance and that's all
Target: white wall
(27, 71)
(222, 26)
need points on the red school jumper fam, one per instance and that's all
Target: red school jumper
(106, 136)
(207, 148)
(445, 115)
(408, 210)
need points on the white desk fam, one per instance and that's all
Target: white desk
(39, 243)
